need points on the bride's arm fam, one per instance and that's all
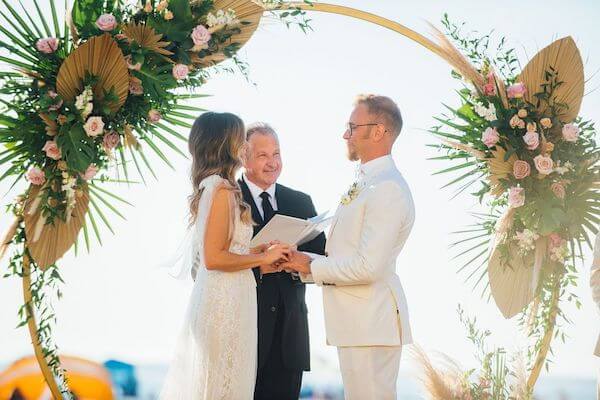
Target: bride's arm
(216, 242)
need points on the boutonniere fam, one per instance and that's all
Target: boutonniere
(352, 193)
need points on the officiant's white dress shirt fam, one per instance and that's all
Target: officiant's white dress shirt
(256, 191)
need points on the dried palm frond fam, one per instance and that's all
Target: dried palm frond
(146, 37)
(48, 243)
(499, 169)
(129, 137)
(501, 86)
(466, 148)
(457, 60)
(510, 285)
(101, 57)
(564, 58)
(51, 125)
(248, 13)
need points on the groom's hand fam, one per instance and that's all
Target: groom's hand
(299, 262)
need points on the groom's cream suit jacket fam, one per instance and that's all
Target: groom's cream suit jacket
(363, 299)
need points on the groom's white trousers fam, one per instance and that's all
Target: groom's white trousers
(370, 373)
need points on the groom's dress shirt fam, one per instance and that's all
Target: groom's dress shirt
(363, 299)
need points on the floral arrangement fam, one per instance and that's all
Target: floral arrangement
(533, 161)
(94, 92)
(498, 378)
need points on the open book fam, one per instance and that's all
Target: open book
(291, 230)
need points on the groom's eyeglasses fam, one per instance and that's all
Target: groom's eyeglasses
(351, 127)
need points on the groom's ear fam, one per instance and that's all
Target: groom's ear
(379, 132)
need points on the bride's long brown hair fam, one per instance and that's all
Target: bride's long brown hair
(216, 143)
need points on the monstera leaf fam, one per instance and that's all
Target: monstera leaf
(77, 148)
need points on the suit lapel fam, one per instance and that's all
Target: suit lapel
(283, 204)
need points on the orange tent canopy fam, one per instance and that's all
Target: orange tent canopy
(88, 380)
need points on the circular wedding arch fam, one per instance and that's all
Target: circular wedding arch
(319, 7)
(435, 46)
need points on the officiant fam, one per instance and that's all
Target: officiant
(283, 343)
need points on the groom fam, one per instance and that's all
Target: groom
(283, 346)
(366, 314)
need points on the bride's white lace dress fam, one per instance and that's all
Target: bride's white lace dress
(216, 354)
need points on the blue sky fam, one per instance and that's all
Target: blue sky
(117, 303)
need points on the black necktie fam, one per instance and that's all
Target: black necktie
(267, 207)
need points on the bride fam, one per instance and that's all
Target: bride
(216, 353)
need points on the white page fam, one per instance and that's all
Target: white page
(283, 228)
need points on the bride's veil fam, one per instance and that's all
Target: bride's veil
(183, 379)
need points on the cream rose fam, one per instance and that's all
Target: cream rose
(544, 164)
(521, 169)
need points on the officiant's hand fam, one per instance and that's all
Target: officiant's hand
(298, 262)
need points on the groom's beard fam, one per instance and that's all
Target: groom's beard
(351, 153)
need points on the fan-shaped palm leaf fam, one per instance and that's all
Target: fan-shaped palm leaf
(100, 57)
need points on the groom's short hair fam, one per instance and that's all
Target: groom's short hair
(261, 128)
(384, 108)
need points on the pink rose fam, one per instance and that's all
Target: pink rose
(94, 126)
(521, 169)
(516, 91)
(135, 87)
(201, 36)
(106, 22)
(555, 240)
(52, 150)
(490, 137)
(90, 172)
(570, 132)
(36, 176)
(47, 45)
(543, 164)
(516, 197)
(154, 116)
(180, 71)
(111, 140)
(532, 140)
(558, 189)
(136, 66)
(489, 89)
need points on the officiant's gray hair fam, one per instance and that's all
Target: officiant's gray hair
(383, 107)
(262, 128)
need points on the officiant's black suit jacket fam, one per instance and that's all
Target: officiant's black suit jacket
(295, 341)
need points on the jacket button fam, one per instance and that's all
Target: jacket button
(273, 309)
